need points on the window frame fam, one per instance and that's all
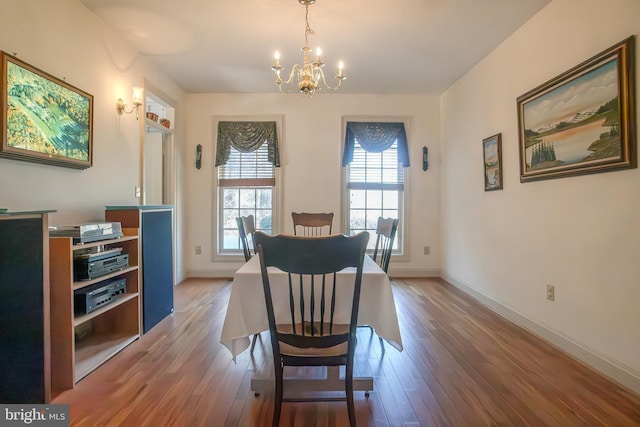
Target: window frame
(217, 201)
(402, 238)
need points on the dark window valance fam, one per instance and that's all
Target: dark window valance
(247, 137)
(375, 137)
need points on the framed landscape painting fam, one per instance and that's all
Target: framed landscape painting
(582, 121)
(44, 119)
(492, 153)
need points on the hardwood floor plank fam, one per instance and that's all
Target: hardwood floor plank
(462, 365)
(402, 406)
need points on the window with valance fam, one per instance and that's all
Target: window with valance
(375, 157)
(246, 155)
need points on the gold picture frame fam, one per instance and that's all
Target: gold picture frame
(582, 121)
(44, 119)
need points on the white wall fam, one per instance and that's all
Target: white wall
(580, 234)
(65, 39)
(311, 155)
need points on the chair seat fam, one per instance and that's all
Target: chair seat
(290, 350)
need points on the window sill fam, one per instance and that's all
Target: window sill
(228, 258)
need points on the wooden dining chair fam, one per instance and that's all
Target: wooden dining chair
(385, 236)
(312, 224)
(246, 229)
(311, 333)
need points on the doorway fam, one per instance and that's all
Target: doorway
(159, 164)
(158, 167)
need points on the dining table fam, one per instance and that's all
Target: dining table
(247, 315)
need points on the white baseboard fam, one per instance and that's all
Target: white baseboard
(228, 273)
(400, 272)
(617, 372)
(213, 274)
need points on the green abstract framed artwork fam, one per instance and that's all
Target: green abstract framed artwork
(44, 119)
(582, 121)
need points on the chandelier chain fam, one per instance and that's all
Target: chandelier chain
(308, 29)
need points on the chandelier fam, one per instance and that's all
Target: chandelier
(309, 74)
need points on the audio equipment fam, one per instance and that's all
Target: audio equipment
(87, 233)
(89, 270)
(91, 298)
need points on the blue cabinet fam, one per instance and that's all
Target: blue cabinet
(156, 234)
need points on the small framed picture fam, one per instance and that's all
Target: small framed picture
(492, 153)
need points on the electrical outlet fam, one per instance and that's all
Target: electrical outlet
(137, 191)
(551, 292)
(198, 250)
(427, 250)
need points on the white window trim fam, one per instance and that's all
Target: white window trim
(216, 221)
(404, 224)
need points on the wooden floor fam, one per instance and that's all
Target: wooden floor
(462, 365)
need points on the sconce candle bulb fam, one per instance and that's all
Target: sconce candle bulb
(137, 95)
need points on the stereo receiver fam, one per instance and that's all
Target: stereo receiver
(84, 269)
(93, 297)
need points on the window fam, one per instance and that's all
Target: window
(374, 178)
(246, 183)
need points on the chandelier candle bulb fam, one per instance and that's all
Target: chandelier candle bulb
(276, 67)
(340, 75)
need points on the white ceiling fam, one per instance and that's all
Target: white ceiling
(399, 47)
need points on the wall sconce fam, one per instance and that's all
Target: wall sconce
(425, 158)
(198, 156)
(121, 107)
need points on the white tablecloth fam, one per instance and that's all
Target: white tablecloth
(247, 312)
